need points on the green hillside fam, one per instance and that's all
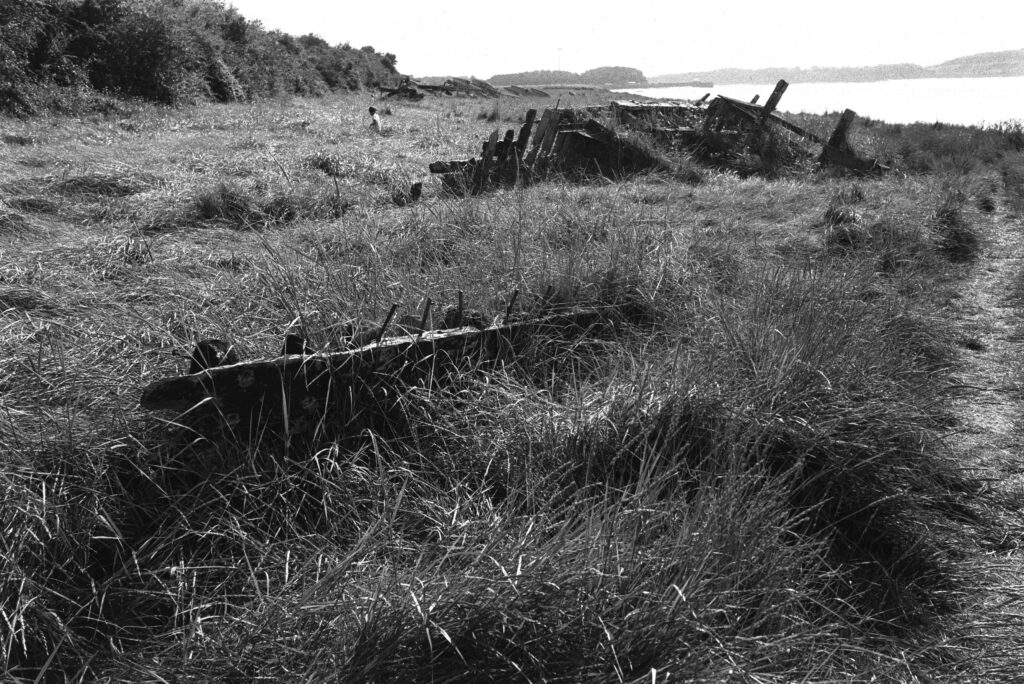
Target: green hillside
(60, 55)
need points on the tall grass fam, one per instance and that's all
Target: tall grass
(742, 476)
(761, 499)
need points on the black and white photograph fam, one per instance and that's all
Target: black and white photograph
(401, 342)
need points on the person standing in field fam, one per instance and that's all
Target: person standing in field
(375, 123)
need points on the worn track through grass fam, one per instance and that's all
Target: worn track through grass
(989, 408)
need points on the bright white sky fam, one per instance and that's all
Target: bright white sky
(483, 38)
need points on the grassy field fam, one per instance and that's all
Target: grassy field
(750, 477)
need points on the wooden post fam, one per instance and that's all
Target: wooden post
(491, 147)
(556, 147)
(511, 303)
(524, 132)
(426, 315)
(838, 150)
(755, 99)
(387, 322)
(550, 133)
(838, 139)
(773, 101)
(507, 145)
(487, 159)
(538, 136)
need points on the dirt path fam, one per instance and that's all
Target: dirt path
(989, 403)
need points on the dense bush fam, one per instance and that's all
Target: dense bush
(167, 52)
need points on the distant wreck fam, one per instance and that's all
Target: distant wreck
(563, 140)
(574, 142)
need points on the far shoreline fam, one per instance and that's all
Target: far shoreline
(983, 101)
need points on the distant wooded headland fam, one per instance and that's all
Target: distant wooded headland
(609, 76)
(986, 64)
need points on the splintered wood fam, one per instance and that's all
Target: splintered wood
(569, 141)
(343, 392)
(573, 142)
(726, 113)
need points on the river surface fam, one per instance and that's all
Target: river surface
(969, 101)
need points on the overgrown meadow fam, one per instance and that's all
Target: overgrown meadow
(745, 477)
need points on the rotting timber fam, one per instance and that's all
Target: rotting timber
(569, 141)
(339, 394)
(746, 119)
(575, 143)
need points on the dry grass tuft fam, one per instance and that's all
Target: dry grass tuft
(231, 205)
(11, 222)
(39, 205)
(330, 164)
(106, 185)
(957, 238)
(25, 299)
(95, 184)
(20, 140)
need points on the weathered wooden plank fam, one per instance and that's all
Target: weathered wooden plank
(724, 110)
(451, 166)
(487, 159)
(542, 128)
(773, 99)
(775, 118)
(558, 144)
(550, 134)
(507, 146)
(599, 131)
(492, 144)
(838, 150)
(753, 113)
(300, 394)
(524, 132)
(838, 138)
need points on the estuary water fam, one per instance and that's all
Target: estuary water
(967, 101)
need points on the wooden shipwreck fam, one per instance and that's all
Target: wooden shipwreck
(726, 124)
(573, 142)
(744, 120)
(407, 90)
(341, 393)
(665, 121)
(500, 162)
(568, 141)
